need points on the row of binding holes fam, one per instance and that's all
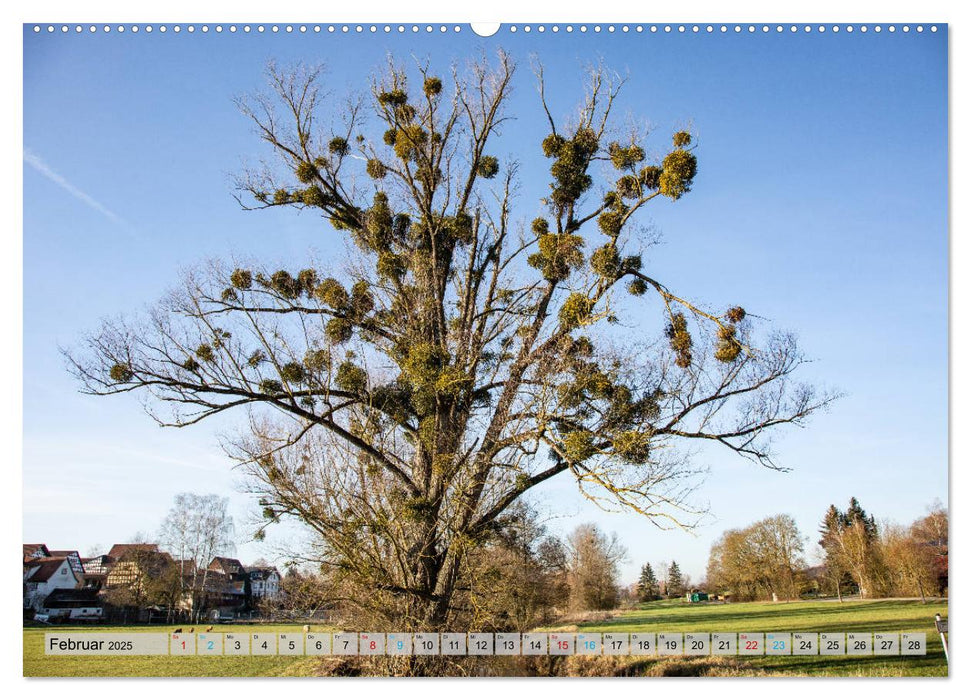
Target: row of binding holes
(259, 28)
(428, 28)
(723, 28)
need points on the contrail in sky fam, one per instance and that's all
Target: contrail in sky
(34, 161)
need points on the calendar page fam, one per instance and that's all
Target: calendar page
(597, 349)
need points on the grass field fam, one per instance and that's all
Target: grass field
(666, 616)
(802, 616)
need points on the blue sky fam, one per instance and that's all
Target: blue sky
(820, 203)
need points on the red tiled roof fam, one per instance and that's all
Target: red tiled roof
(230, 566)
(48, 567)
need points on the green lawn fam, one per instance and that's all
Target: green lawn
(803, 616)
(666, 616)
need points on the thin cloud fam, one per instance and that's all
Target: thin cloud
(35, 161)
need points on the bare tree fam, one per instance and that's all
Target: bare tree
(197, 529)
(461, 358)
(762, 560)
(593, 560)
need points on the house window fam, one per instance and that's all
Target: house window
(63, 571)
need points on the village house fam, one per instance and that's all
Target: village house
(44, 573)
(96, 571)
(226, 586)
(264, 582)
(255, 583)
(139, 581)
(73, 558)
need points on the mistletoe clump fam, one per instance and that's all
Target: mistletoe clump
(241, 279)
(559, 254)
(332, 293)
(409, 140)
(488, 167)
(736, 314)
(459, 227)
(317, 359)
(433, 86)
(376, 169)
(293, 373)
(283, 283)
(728, 346)
(351, 378)
(578, 446)
(605, 261)
(682, 139)
(680, 340)
(271, 386)
(338, 146)
(120, 373)
(650, 177)
(572, 160)
(307, 279)
(629, 187)
(633, 446)
(677, 172)
(393, 98)
(576, 310)
(612, 220)
(637, 287)
(256, 358)
(338, 330)
(306, 172)
(205, 353)
(551, 145)
(313, 196)
(625, 158)
(391, 266)
(362, 301)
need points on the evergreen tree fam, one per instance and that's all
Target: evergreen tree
(855, 513)
(647, 585)
(675, 581)
(849, 542)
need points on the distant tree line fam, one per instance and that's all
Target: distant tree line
(766, 560)
(860, 556)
